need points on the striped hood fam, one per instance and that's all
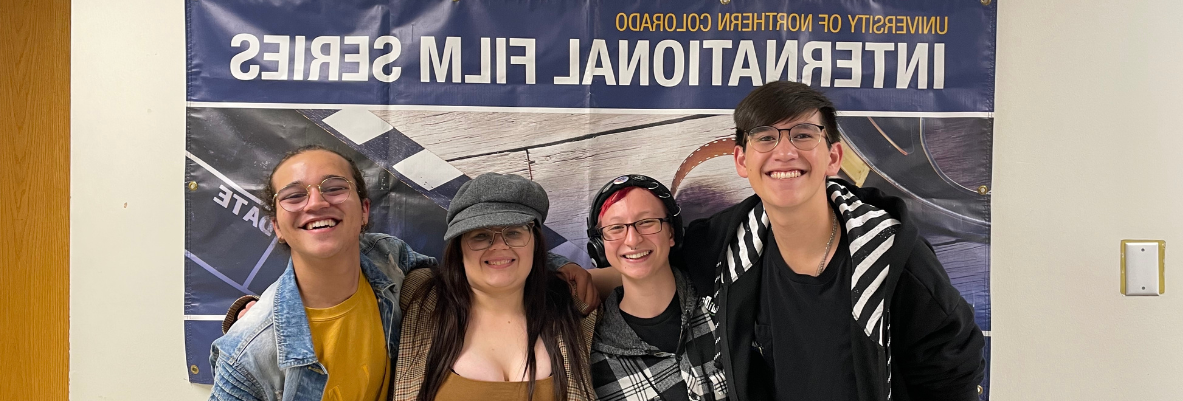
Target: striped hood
(871, 232)
(723, 253)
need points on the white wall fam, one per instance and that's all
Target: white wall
(127, 205)
(1085, 155)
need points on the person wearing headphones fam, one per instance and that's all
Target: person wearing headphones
(654, 337)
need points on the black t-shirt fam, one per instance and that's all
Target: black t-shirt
(661, 331)
(803, 327)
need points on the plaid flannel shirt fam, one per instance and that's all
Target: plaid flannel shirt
(626, 368)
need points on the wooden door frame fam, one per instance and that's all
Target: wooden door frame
(35, 200)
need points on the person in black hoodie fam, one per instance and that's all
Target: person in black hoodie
(821, 290)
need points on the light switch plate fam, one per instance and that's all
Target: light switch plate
(1142, 264)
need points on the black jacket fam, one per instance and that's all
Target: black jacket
(913, 335)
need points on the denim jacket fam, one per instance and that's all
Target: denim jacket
(268, 354)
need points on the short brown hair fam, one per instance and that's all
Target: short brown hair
(783, 100)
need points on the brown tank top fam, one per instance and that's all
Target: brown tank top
(458, 388)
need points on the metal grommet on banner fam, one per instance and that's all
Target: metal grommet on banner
(982, 190)
(192, 185)
(724, 1)
(193, 368)
(979, 386)
(986, 2)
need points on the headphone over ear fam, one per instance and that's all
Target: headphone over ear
(595, 243)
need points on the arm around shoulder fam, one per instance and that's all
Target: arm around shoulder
(412, 285)
(237, 309)
(385, 247)
(697, 256)
(411, 260)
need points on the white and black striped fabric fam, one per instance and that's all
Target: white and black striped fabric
(871, 232)
(741, 253)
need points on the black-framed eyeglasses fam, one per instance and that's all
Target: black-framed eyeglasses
(333, 190)
(803, 136)
(513, 236)
(615, 232)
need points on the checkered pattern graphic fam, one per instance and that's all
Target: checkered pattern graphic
(427, 170)
(414, 165)
(360, 126)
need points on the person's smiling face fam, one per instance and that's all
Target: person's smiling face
(499, 267)
(317, 230)
(787, 177)
(637, 255)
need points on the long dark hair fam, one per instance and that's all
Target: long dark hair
(551, 314)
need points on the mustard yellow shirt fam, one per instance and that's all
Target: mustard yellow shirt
(351, 344)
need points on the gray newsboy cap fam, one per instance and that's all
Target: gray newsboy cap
(494, 199)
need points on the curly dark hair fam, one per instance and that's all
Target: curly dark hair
(359, 183)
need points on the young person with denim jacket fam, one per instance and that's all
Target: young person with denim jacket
(328, 328)
(324, 331)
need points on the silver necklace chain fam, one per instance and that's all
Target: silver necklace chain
(833, 230)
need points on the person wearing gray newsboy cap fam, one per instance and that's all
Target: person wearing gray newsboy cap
(492, 200)
(492, 296)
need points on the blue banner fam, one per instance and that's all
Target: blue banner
(918, 56)
(425, 95)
